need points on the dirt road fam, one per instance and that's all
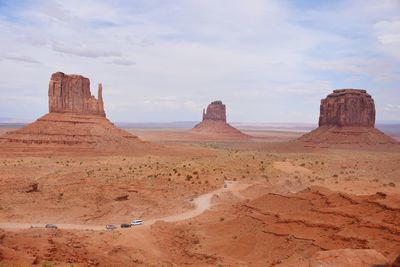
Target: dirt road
(201, 203)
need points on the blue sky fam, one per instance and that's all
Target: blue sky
(160, 61)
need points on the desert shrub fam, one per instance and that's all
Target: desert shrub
(46, 264)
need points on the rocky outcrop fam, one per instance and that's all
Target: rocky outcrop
(347, 107)
(71, 94)
(348, 257)
(214, 124)
(215, 111)
(76, 123)
(396, 262)
(347, 116)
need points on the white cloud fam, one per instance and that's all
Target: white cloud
(392, 107)
(381, 70)
(388, 35)
(168, 59)
(123, 62)
(84, 50)
(21, 58)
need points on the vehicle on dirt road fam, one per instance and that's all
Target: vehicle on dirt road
(111, 227)
(136, 222)
(125, 225)
(51, 226)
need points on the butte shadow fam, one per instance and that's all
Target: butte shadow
(76, 122)
(214, 125)
(347, 116)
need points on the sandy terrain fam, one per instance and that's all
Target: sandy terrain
(282, 203)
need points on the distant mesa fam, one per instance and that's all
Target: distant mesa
(214, 123)
(347, 116)
(76, 121)
(216, 111)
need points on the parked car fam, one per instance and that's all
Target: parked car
(125, 225)
(53, 226)
(111, 227)
(137, 222)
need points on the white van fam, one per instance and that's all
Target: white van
(137, 222)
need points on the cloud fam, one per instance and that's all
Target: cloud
(392, 108)
(388, 36)
(123, 62)
(359, 68)
(21, 58)
(268, 60)
(84, 51)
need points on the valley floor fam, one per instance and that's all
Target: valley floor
(262, 202)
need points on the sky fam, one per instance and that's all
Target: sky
(165, 60)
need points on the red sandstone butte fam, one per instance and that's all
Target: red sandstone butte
(71, 94)
(76, 122)
(347, 107)
(215, 111)
(214, 123)
(347, 116)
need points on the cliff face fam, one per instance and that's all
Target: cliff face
(71, 94)
(347, 116)
(215, 111)
(347, 107)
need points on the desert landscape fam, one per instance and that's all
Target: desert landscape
(207, 196)
(200, 133)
